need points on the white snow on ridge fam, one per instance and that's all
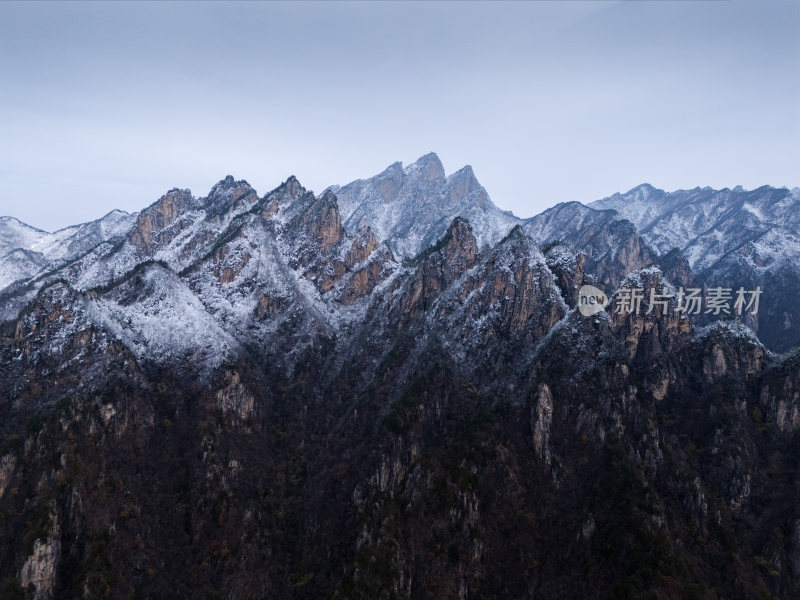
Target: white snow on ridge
(35, 250)
(734, 329)
(19, 264)
(16, 234)
(755, 211)
(169, 323)
(712, 225)
(56, 245)
(411, 207)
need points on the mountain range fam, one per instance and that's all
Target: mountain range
(387, 390)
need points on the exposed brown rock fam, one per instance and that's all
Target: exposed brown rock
(363, 246)
(567, 267)
(203, 238)
(541, 420)
(234, 398)
(227, 196)
(293, 187)
(631, 254)
(676, 269)
(267, 306)
(154, 226)
(723, 358)
(650, 334)
(441, 265)
(228, 270)
(7, 465)
(324, 222)
(325, 274)
(779, 398)
(39, 570)
(270, 208)
(363, 281)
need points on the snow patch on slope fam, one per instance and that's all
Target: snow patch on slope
(166, 323)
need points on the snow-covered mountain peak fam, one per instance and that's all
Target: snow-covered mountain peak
(729, 237)
(517, 233)
(115, 223)
(287, 192)
(115, 214)
(643, 189)
(16, 223)
(643, 193)
(293, 187)
(26, 250)
(464, 176)
(395, 168)
(460, 231)
(228, 195)
(225, 185)
(463, 187)
(426, 169)
(16, 234)
(518, 243)
(148, 233)
(464, 172)
(641, 204)
(410, 208)
(329, 197)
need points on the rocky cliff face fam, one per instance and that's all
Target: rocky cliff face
(730, 238)
(610, 245)
(251, 397)
(411, 207)
(156, 226)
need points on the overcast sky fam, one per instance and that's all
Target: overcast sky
(107, 106)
